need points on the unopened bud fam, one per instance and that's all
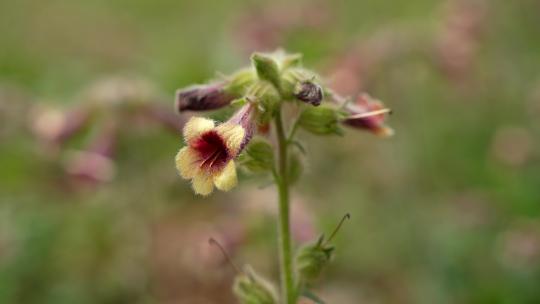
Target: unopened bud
(313, 258)
(291, 60)
(267, 69)
(203, 97)
(267, 99)
(258, 156)
(241, 81)
(320, 121)
(293, 79)
(309, 92)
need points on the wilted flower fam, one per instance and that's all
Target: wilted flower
(309, 92)
(359, 115)
(208, 158)
(203, 97)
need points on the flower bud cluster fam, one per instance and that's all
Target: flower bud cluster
(258, 93)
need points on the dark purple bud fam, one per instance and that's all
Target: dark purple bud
(203, 97)
(309, 92)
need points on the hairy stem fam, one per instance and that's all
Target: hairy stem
(285, 261)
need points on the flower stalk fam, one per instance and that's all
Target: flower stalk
(285, 260)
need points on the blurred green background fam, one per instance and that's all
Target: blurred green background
(446, 211)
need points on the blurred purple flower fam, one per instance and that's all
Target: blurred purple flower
(374, 123)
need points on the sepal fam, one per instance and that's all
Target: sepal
(321, 121)
(250, 288)
(312, 259)
(267, 69)
(258, 156)
(240, 82)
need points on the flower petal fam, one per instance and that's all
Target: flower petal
(186, 162)
(202, 184)
(226, 179)
(233, 135)
(384, 131)
(195, 126)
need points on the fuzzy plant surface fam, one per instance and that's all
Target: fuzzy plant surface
(273, 99)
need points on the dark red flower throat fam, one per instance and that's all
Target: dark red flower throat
(212, 150)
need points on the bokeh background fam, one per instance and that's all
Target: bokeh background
(446, 211)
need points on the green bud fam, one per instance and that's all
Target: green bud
(250, 288)
(267, 68)
(258, 156)
(267, 98)
(295, 76)
(312, 259)
(320, 120)
(240, 82)
(291, 60)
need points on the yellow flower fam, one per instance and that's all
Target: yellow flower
(208, 158)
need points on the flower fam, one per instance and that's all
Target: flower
(362, 115)
(208, 158)
(203, 97)
(54, 126)
(95, 164)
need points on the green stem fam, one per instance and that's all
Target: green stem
(285, 261)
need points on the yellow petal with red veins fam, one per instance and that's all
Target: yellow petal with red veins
(226, 179)
(233, 135)
(187, 162)
(202, 184)
(195, 126)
